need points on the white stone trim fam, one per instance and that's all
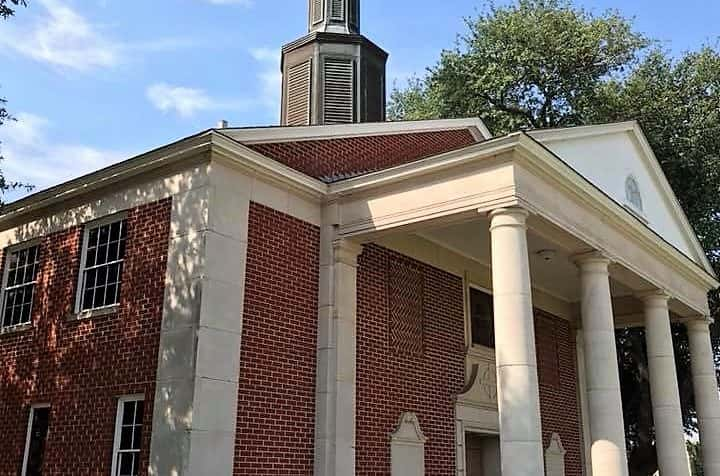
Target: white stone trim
(555, 457)
(303, 133)
(335, 407)
(407, 447)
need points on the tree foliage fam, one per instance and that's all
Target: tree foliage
(533, 64)
(547, 63)
(7, 7)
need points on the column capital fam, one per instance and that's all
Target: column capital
(592, 261)
(346, 251)
(655, 297)
(701, 324)
(511, 216)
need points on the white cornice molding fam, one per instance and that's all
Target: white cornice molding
(193, 146)
(257, 164)
(211, 143)
(306, 133)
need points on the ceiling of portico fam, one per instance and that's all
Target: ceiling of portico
(557, 276)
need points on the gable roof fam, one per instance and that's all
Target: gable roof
(331, 160)
(647, 155)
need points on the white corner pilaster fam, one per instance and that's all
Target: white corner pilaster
(706, 394)
(607, 429)
(195, 406)
(336, 353)
(521, 446)
(667, 414)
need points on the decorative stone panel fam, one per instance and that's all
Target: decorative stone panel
(555, 457)
(407, 447)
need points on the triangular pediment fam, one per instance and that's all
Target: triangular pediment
(617, 159)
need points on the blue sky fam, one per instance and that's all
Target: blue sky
(96, 81)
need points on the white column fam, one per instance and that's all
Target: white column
(607, 429)
(665, 396)
(707, 402)
(518, 395)
(335, 393)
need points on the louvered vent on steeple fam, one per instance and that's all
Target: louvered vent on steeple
(339, 91)
(337, 10)
(317, 13)
(298, 94)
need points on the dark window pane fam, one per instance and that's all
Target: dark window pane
(103, 234)
(93, 237)
(139, 413)
(101, 254)
(115, 231)
(88, 299)
(481, 318)
(126, 464)
(38, 436)
(113, 251)
(128, 413)
(90, 259)
(11, 277)
(126, 434)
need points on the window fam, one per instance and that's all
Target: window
(632, 193)
(21, 269)
(128, 436)
(102, 265)
(38, 425)
(482, 323)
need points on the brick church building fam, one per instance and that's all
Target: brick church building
(341, 295)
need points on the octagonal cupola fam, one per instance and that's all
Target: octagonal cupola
(333, 75)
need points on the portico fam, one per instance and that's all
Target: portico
(511, 217)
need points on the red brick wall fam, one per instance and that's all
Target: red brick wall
(390, 382)
(334, 159)
(81, 367)
(276, 405)
(559, 405)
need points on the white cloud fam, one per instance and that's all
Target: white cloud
(63, 38)
(186, 101)
(270, 77)
(31, 158)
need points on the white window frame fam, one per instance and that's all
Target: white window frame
(29, 434)
(118, 426)
(83, 257)
(6, 273)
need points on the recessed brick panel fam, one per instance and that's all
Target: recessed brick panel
(334, 159)
(276, 404)
(390, 383)
(406, 283)
(81, 367)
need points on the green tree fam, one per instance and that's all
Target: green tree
(7, 9)
(537, 64)
(534, 64)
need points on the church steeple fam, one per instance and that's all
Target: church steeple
(337, 16)
(333, 75)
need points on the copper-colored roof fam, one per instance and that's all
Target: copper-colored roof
(331, 160)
